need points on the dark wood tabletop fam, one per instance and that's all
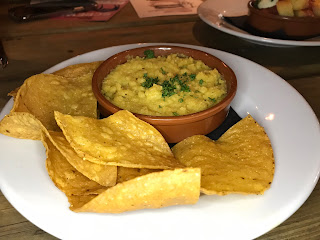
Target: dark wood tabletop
(36, 46)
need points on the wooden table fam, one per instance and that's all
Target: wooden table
(34, 47)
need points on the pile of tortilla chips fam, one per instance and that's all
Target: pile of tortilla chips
(121, 163)
(102, 165)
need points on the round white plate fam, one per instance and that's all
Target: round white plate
(212, 12)
(288, 120)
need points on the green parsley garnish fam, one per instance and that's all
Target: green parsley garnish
(149, 81)
(212, 99)
(175, 78)
(184, 87)
(175, 113)
(201, 82)
(149, 54)
(180, 100)
(160, 106)
(163, 71)
(168, 88)
(192, 77)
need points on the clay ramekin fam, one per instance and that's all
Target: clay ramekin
(173, 128)
(273, 25)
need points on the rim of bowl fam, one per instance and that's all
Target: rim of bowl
(167, 120)
(282, 18)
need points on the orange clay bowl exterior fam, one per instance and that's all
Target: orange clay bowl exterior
(295, 28)
(173, 128)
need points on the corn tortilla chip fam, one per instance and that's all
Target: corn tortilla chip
(120, 140)
(66, 177)
(21, 125)
(14, 92)
(154, 190)
(102, 174)
(240, 161)
(77, 201)
(42, 94)
(125, 174)
(78, 70)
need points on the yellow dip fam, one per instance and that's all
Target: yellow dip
(164, 86)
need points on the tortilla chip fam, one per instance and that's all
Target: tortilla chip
(77, 201)
(14, 92)
(21, 125)
(78, 70)
(240, 161)
(154, 190)
(126, 174)
(102, 174)
(66, 177)
(42, 94)
(120, 140)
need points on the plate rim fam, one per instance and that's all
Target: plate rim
(120, 48)
(245, 35)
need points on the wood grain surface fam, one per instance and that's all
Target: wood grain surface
(34, 47)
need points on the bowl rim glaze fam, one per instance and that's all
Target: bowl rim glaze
(307, 19)
(166, 120)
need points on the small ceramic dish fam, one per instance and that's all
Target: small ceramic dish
(173, 128)
(268, 24)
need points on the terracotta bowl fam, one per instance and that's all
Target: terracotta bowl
(173, 128)
(273, 25)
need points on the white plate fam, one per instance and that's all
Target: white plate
(288, 119)
(212, 12)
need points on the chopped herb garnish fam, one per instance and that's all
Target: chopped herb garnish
(201, 82)
(149, 81)
(192, 77)
(184, 87)
(175, 79)
(160, 106)
(180, 100)
(175, 113)
(163, 71)
(212, 99)
(168, 88)
(149, 54)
